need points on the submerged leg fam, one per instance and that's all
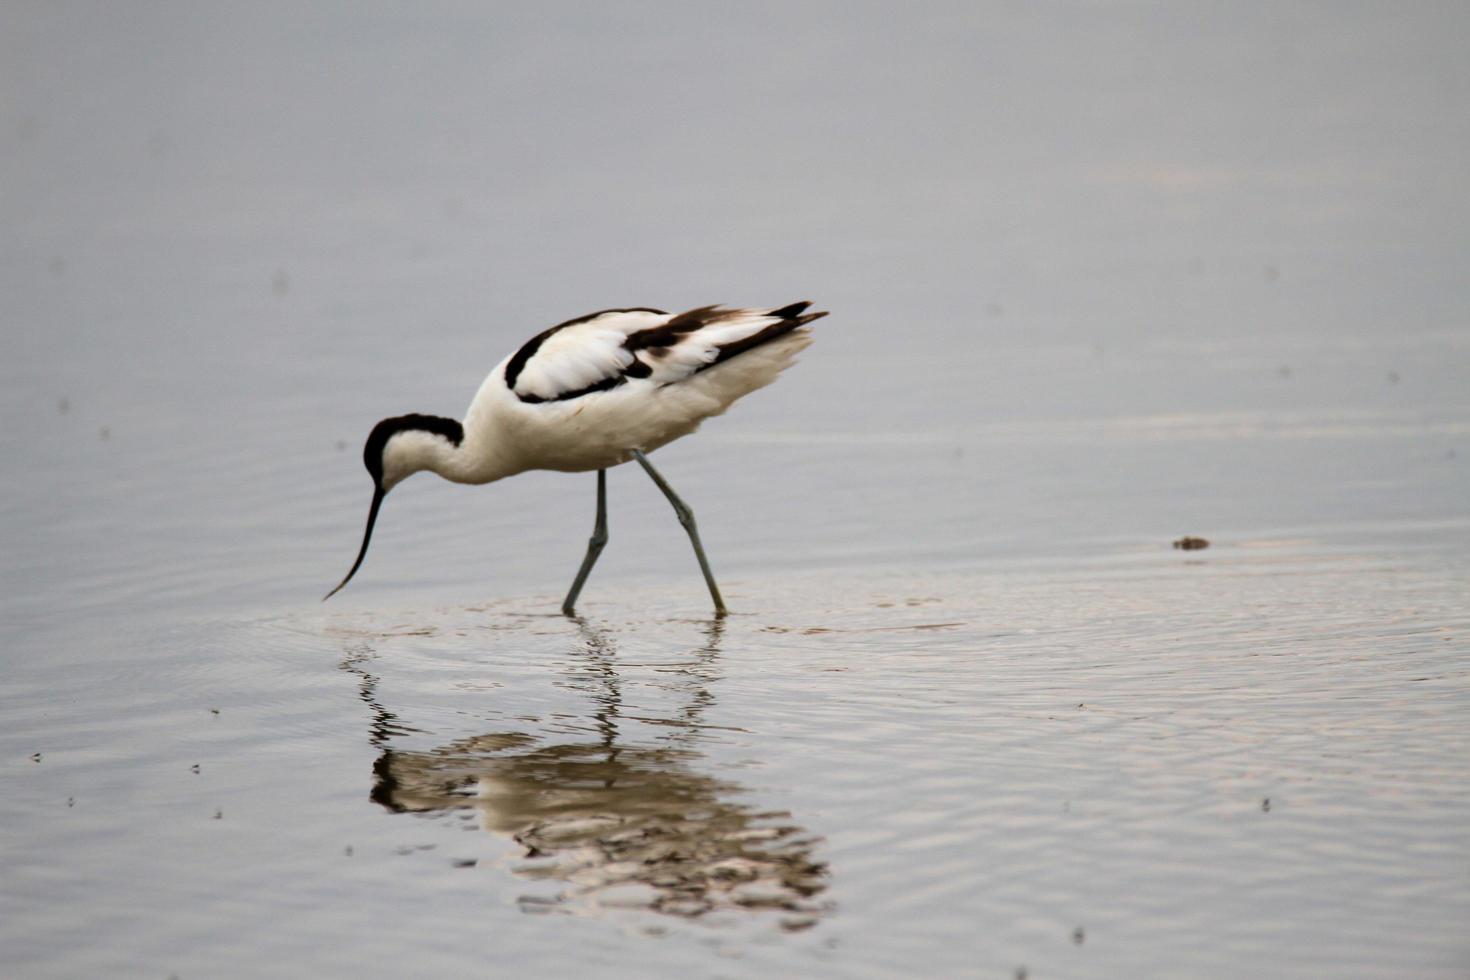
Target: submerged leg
(594, 546)
(686, 518)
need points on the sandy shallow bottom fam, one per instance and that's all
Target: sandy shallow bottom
(1251, 762)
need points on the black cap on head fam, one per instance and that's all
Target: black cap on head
(377, 440)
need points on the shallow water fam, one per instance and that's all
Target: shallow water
(971, 716)
(1252, 763)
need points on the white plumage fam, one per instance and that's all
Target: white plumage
(592, 393)
(559, 429)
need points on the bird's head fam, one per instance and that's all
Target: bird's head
(396, 449)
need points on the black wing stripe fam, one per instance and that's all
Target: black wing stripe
(770, 333)
(606, 384)
(669, 333)
(789, 312)
(529, 348)
(621, 309)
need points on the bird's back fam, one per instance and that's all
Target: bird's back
(585, 393)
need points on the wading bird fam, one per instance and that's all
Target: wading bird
(590, 394)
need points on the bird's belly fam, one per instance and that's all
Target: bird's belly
(604, 430)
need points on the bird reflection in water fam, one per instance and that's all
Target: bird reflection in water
(622, 825)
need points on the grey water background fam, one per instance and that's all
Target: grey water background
(1100, 274)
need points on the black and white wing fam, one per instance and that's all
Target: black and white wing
(604, 350)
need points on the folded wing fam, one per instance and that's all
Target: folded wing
(610, 348)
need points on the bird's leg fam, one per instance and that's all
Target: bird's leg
(686, 518)
(595, 545)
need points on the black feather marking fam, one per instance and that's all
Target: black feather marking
(764, 336)
(606, 384)
(529, 348)
(377, 441)
(668, 334)
(795, 309)
(623, 309)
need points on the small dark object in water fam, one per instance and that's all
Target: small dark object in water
(1266, 805)
(1078, 935)
(36, 757)
(1191, 544)
(194, 768)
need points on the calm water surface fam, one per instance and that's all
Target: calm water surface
(1100, 276)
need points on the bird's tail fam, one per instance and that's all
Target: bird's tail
(769, 324)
